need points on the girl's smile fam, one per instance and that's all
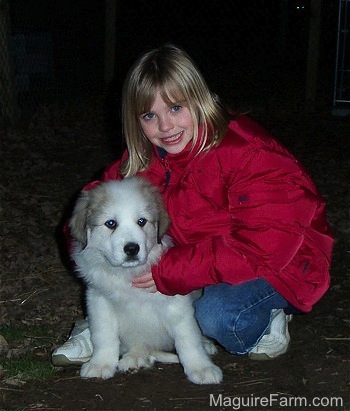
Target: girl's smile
(168, 126)
(172, 139)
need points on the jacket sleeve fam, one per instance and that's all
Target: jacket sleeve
(188, 267)
(273, 206)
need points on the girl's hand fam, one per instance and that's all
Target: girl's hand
(145, 281)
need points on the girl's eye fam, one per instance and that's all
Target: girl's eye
(176, 108)
(147, 116)
(111, 224)
(141, 222)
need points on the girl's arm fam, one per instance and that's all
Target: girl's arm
(278, 232)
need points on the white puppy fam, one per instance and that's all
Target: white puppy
(119, 228)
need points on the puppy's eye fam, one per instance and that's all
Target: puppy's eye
(141, 222)
(111, 224)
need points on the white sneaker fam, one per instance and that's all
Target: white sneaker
(77, 349)
(276, 341)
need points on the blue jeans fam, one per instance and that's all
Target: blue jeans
(237, 316)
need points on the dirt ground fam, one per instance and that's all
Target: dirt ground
(44, 165)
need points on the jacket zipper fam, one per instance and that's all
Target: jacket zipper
(167, 173)
(162, 153)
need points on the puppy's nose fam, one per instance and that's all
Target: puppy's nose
(131, 249)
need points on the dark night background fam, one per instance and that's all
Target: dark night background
(245, 50)
(253, 53)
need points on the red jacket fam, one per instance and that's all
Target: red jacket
(244, 210)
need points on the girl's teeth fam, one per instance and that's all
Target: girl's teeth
(170, 139)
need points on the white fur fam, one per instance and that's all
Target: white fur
(131, 327)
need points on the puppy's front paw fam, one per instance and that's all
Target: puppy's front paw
(209, 346)
(207, 375)
(92, 370)
(134, 362)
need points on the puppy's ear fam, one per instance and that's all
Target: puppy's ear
(78, 222)
(154, 197)
(163, 218)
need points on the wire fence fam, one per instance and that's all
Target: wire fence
(342, 63)
(43, 57)
(7, 92)
(26, 64)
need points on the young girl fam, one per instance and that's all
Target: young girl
(248, 223)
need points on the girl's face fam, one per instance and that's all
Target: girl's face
(168, 127)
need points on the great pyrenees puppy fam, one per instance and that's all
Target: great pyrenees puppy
(119, 230)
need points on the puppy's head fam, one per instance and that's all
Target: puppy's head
(90, 203)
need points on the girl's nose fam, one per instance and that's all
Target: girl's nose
(165, 123)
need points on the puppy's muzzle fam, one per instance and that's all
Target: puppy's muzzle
(131, 250)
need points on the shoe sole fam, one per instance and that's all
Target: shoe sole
(260, 357)
(265, 357)
(61, 360)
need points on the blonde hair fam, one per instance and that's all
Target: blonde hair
(170, 70)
